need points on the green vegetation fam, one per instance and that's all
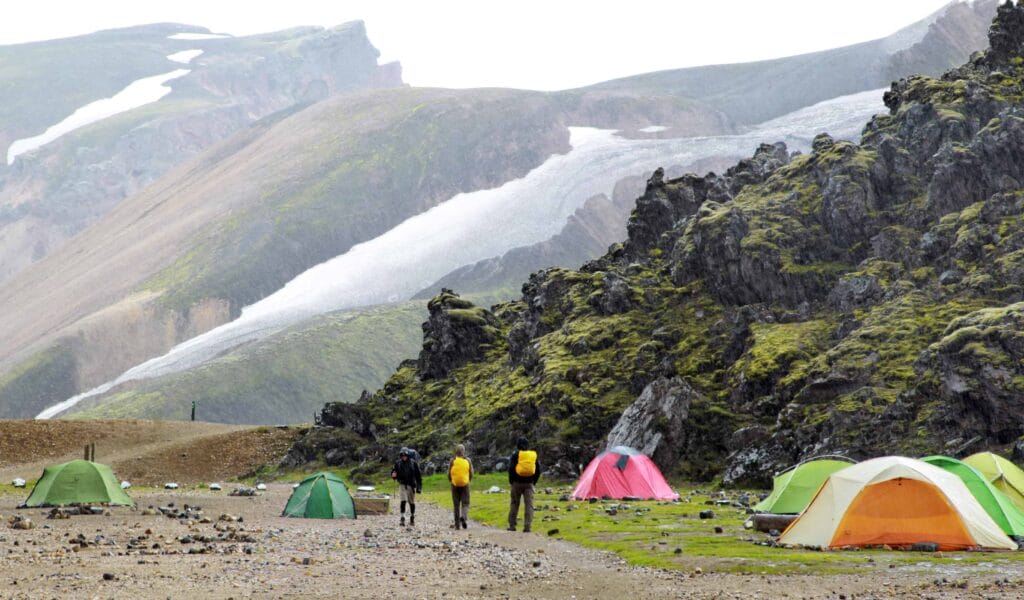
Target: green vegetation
(649, 533)
(282, 379)
(50, 373)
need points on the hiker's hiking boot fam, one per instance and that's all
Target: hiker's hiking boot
(401, 522)
(511, 527)
(464, 526)
(412, 520)
(526, 530)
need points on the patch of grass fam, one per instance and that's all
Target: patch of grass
(648, 533)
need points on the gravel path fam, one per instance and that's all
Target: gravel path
(143, 556)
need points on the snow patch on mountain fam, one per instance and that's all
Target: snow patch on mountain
(138, 93)
(184, 57)
(198, 36)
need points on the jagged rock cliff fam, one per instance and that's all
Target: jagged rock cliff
(861, 299)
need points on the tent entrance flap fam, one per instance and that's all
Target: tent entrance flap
(902, 511)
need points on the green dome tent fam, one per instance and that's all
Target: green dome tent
(794, 488)
(321, 496)
(1009, 518)
(1004, 475)
(77, 482)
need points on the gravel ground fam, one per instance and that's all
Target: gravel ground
(135, 554)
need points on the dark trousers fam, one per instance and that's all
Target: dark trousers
(525, 492)
(460, 502)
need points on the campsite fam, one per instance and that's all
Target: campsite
(195, 542)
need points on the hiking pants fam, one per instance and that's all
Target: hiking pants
(460, 502)
(524, 491)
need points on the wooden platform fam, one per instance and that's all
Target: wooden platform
(376, 505)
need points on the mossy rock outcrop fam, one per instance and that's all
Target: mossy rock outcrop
(859, 299)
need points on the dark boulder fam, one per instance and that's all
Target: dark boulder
(454, 334)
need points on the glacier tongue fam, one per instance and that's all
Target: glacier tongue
(474, 226)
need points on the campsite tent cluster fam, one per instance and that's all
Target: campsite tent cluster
(83, 482)
(890, 501)
(898, 501)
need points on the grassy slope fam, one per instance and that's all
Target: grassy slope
(283, 379)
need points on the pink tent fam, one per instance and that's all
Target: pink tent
(622, 472)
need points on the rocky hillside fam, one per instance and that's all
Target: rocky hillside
(235, 222)
(861, 298)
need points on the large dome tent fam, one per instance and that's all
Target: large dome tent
(78, 482)
(794, 488)
(1002, 510)
(623, 472)
(1004, 475)
(321, 496)
(896, 501)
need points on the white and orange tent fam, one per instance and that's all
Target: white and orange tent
(896, 501)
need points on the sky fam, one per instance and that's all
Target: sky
(543, 45)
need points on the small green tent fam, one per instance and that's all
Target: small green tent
(321, 496)
(1006, 476)
(1009, 518)
(794, 488)
(77, 482)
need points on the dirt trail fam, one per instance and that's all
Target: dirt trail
(142, 451)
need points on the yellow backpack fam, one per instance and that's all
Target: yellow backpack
(460, 472)
(526, 465)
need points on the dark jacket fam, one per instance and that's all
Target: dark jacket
(514, 477)
(408, 473)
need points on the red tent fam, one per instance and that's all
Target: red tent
(620, 472)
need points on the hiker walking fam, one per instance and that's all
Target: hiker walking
(523, 473)
(460, 473)
(407, 473)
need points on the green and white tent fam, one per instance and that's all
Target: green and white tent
(1003, 511)
(794, 488)
(77, 482)
(321, 496)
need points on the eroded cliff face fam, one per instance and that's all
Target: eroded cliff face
(862, 298)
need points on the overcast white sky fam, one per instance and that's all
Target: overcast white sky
(533, 44)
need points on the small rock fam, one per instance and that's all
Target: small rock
(707, 514)
(553, 531)
(536, 564)
(718, 529)
(109, 577)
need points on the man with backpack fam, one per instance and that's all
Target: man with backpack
(407, 473)
(460, 473)
(523, 473)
